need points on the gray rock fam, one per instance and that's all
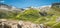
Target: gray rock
(18, 24)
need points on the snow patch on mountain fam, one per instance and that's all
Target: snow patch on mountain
(45, 6)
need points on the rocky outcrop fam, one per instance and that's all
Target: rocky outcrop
(9, 8)
(56, 4)
(19, 24)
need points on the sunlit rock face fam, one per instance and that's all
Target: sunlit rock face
(28, 25)
(45, 8)
(9, 8)
(5, 6)
(58, 19)
(19, 24)
(9, 24)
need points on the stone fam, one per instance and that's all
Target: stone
(19, 24)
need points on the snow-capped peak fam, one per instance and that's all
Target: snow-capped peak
(45, 6)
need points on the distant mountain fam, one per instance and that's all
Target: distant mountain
(56, 6)
(12, 8)
(8, 11)
(8, 7)
(45, 8)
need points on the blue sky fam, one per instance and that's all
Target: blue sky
(27, 3)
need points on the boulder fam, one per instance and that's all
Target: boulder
(4, 23)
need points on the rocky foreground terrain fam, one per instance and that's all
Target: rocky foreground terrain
(4, 23)
(44, 17)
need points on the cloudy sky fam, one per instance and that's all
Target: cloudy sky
(27, 3)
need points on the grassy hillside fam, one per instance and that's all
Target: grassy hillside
(35, 15)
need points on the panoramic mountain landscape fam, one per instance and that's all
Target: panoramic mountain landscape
(29, 14)
(30, 17)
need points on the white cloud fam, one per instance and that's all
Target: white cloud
(2, 1)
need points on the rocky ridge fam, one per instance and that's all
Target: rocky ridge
(4, 23)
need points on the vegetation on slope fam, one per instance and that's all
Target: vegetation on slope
(34, 15)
